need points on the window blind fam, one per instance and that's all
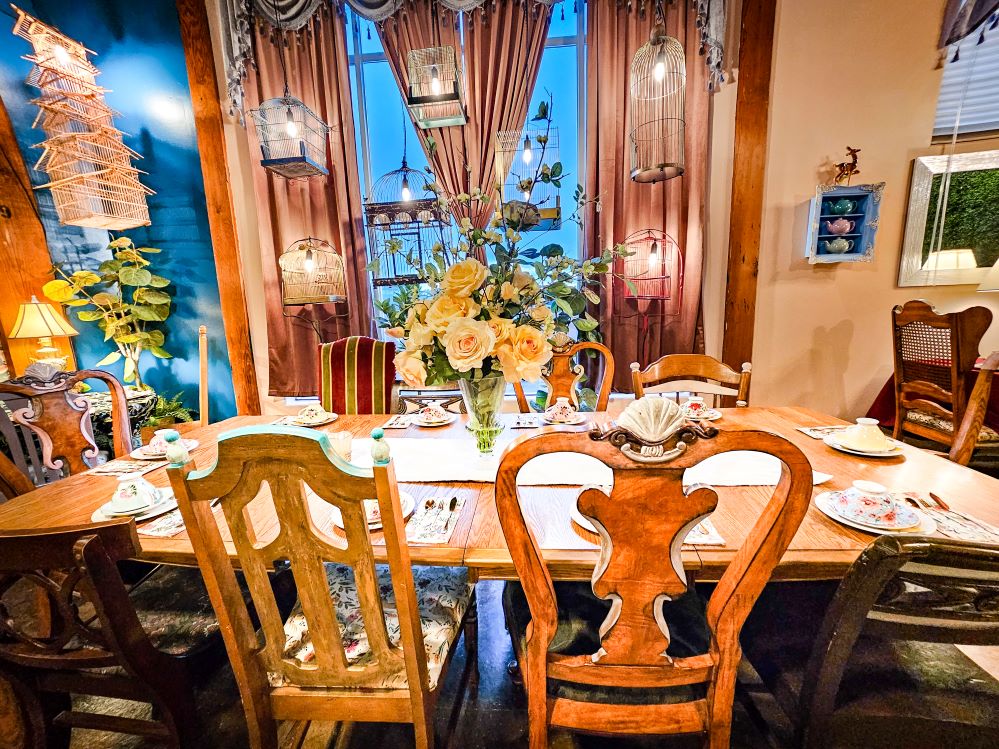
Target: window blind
(970, 84)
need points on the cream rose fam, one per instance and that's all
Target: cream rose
(395, 332)
(508, 291)
(522, 280)
(540, 313)
(467, 343)
(416, 314)
(461, 279)
(446, 309)
(502, 327)
(524, 355)
(411, 368)
(419, 336)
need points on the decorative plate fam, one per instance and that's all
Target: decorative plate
(871, 513)
(165, 503)
(707, 414)
(142, 453)
(373, 512)
(894, 452)
(926, 526)
(579, 418)
(444, 422)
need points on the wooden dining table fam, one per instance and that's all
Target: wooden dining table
(821, 549)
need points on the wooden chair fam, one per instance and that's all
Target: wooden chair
(692, 373)
(103, 640)
(658, 663)
(49, 432)
(562, 375)
(933, 355)
(356, 375)
(969, 431)
(13, 483)
(366, 642)
(879, 666)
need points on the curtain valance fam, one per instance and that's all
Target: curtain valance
(961, 17)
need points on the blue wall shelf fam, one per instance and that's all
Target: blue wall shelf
(842, 222)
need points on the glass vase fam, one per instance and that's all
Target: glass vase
(483, 401)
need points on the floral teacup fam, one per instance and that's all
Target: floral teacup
(694, 407)
(133, 494)
(869, 503)
(158, 444)
(433, 414)
(563, 410)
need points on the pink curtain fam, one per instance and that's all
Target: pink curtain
(636, 330)
(324, 207)
(504, 42)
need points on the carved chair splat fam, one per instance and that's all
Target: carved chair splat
(563, 375)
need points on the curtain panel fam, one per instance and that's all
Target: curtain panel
(325, 207)
(961, 17)
(634, 329)
(503, 45)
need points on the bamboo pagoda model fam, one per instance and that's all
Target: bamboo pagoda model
(90, 170)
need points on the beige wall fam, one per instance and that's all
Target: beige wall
(823, 336)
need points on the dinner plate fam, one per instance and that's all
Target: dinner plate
(165, 503)
(430, 424)
(329, 419)
(406, 501)
(905, 516)
(141, 454)
(708, 414)
(927, 525)
(579, 418)
(894, 452)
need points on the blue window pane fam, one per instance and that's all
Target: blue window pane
(370, 42)
(564, 19)
(387, 117)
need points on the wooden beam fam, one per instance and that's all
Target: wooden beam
(752, 114)
(24, 252)
(197, 40)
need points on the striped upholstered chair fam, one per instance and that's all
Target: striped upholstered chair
(356, 375)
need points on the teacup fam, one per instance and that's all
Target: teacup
(694, 406)
(158, 444)
(867, 502)
(133, 493)
(312, 415)
(433, 413)
(865, 435)
(840, 226)
(841, 207)
(837, 246)
(563, 410)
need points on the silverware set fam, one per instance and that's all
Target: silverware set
(444, 512)
(952, 522)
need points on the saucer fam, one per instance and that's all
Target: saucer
(578, 418)
(141, 453)
(373, 512)
(894, 451)
(858, 512)
(329, 418)
(164, 504)
(421, 423)
(707, 414)
(926, 526)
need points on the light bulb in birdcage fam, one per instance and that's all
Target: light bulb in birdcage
(290, 126)
(312, 272)
(435, 81)
(61, 55)
(292, 138)
(659, 71)
(528, 152)
(434, 94)
(406, 193)
(310, 262)
(654, 257)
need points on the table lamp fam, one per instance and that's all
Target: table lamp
(41, 320)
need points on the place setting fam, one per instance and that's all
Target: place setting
(311, 416)
(694, 409)
(871, 507)
(432, 416)
(136, 498)
(563, 413)
(157, 447)
(865, 439)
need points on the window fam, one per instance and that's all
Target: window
(969, 96)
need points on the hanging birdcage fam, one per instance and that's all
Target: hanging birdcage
(658, 87)
(519, 156)
(653, 270)
(312, 272)
(292, 138)
(435, 91)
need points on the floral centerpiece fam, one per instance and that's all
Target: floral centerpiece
(488, 304)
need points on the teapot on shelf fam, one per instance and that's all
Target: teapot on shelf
(836, 246)
(841, 207)
(840, 226)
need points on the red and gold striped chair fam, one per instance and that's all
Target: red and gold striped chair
(356, 375)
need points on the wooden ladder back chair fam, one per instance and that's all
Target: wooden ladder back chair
(93, 625)
(969, 431)
(59, 419)
(692, 373)
(933, 355)
(642, 523)
(562, 375)
(345, 653)
(357, 375)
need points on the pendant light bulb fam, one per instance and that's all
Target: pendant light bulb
(310, 263)
(291, 127)
(659, 70)
(654, 256)
(407, 194)
(528, 153)
(435, 81)
(527, 195)
(61, 55)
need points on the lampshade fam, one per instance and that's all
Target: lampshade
(40, 320)
(991, 280)
(951, 260)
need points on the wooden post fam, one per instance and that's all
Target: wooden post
(752, 111)
(197, 41)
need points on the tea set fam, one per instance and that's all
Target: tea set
(694, 409)
(313, 416)
(870, 507)
(157, 447)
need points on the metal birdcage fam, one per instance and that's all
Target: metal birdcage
(658, 87)
(312, 272)
(654, 270)
(292, 138)
(435, 95)
(518, 156)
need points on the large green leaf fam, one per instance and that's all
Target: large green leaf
(90, 315)
(158, 282)
(155, 337)
(584, 326)
(152, 296)
(129, 370)
(150, 312)
(105, 300)
(135, 276)
(84, 278)
(109, 266)
(130, 338)
(160, 352)
(109, 359)
(564, 306)
(59, 290)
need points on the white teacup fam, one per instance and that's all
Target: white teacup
(133, 493)
(563, 410)
(158, 444)
(865, 435)
(312, 415)
(694, 406)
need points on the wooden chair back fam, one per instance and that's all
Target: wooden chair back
(925, 589)
(642, 523)
(933, 354)
(357, 375)
(59, 419)
(276, 465)
(563, 374)
(967, 433)
(692, 373)
(87, 622)
(13, 482)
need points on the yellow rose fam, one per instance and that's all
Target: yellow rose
(467, 343)
(395, 332)
(411, 368)
(524, 355)
(446, 309)
(416, 314)
(522, 280)
(419, 336)
(461, 279)
(502, 327)
(540, 313)
(508, 292)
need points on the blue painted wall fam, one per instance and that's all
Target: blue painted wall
(141, 59)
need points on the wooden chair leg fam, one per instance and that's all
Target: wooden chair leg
(472, 642)
(423, 727)
(536, 686)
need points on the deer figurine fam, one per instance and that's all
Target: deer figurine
(846, 169)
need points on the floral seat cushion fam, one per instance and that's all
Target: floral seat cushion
(442, 595)
(931, 421)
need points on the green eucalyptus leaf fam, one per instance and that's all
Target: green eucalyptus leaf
(146, 312)
(591, 295)
(155, 337)
(152, 296)
(584, 326)
(563, 305)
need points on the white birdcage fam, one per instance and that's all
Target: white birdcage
(292, 138)
(435, 89)
(658, 87)
(312, 272)
(520, 154)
